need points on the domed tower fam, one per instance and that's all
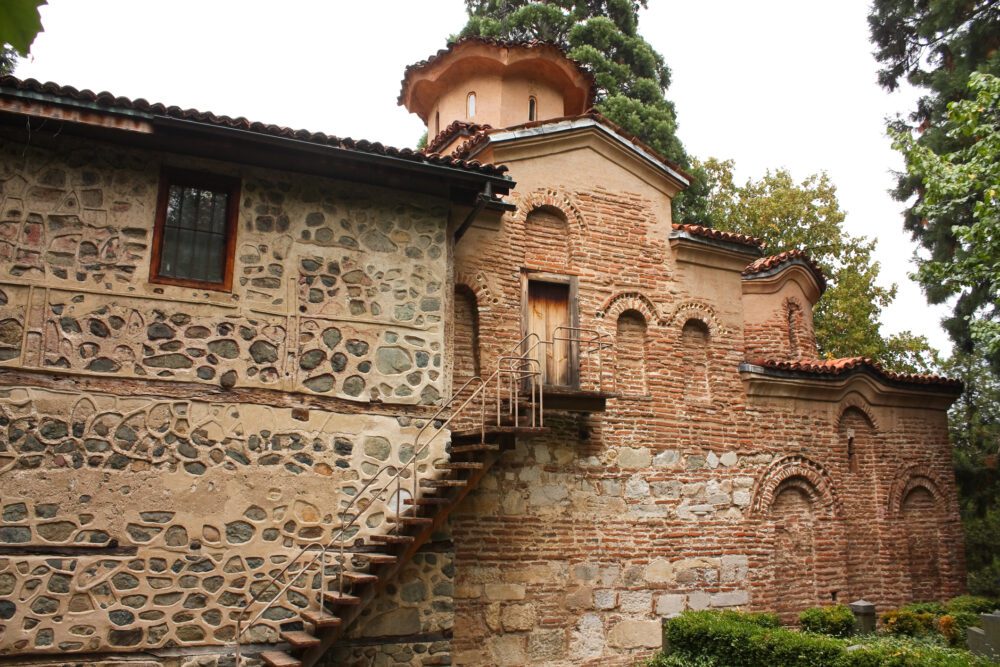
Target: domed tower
(477, 82)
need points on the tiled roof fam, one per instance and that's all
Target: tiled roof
(718, 235)
(457, 127)
(846, 365)
(111, 103)
(503, 43)
(787, 257)
(479, 136)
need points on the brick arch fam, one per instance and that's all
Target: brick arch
(695, 310)
(480, 286)
(909, 478)
(613, 307)
(857, 402)
(798, 471)
(551, 198)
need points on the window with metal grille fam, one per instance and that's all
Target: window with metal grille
(194, 238)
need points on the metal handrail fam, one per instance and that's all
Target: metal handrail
(338, 540)
(518, 369)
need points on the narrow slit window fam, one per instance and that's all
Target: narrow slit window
(194, 236)
(437, 123)
(470, 106)
(532, 109)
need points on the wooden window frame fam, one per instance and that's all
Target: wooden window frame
(186, 178)
(528, 276)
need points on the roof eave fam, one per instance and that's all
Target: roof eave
(574, 125)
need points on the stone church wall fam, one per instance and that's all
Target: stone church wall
(165, 450)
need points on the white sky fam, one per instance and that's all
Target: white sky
(779, 83)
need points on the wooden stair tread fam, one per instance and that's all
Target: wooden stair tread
(358, 577)
(279, 659)
(412, 520)
(426, 500)
(377, 559)
(392, 539)
(466, 449)
(336, 597)
(300, 639)
(321, 619)
(442, 483)
(460, 465)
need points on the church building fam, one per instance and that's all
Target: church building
(271, 396)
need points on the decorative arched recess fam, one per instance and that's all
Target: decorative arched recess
(694, 347)
(695, 310)
(547, 239)
(631, 354)
(858, 402)
(614, 306)
(909, 478)
(797, 468)
(916, 507)
(550, 198)
(479, 283)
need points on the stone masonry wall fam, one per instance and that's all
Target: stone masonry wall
(165, 450)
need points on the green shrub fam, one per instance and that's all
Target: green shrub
(836, 621)
(908, 623)
(973, 604)
(907, 652)
(678, 660)
(733, 638)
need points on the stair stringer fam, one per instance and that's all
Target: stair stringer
(388, 573)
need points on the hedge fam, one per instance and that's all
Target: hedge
(723, 639)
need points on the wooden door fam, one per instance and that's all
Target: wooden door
(548, 309)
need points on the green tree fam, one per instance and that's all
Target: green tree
(8, 60)
(937, 46)
(965, 182)
(632, 77)
(20, 22)
(974, 423)
(787, 214)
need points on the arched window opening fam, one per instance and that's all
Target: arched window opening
(630, 354)
(794, 319)
(437, 123)
(852, 455)
(470, 106)
(532, 109)
(694, 343)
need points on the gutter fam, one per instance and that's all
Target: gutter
(484, 199)
(451, 173)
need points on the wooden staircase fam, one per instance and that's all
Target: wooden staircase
(352, 572)
(471, 460)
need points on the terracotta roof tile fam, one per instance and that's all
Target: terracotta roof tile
(718, 235)
(787, 257)
(846, 365)
(458, 127)
(111, 103)
(503, 43)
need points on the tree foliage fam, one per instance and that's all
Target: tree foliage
(8, 60)
(632, 77)
(19, 23)
(937, 46)
(974, 423)
(787, 214)
(965, 182)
